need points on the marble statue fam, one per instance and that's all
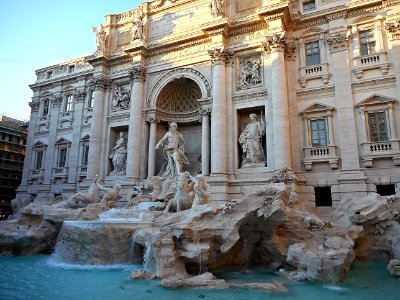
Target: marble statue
(202, 194)
(121, 98)
(174, 150)
(137, 27)
(111, 195)
(216, 7)
(101, 37)
(79, 200)
(183, 196)
(118, 155)
(89, 197)
(251, 141)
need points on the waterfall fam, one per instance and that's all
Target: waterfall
(196, 240)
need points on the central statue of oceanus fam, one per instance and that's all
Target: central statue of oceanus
(174, 150)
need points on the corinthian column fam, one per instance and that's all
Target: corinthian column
(152, 147)
(276, 45)
(219, 135)
(205, 142)
(135, 123)
(100, 84)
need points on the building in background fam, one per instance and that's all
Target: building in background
(254, 86)
(13, 135)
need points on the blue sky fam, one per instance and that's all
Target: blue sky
(39, 33)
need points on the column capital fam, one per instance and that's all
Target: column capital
(337, 41)
(204, 112)
(56, 99)
(137, 73)
(34, 105)
(152, 119)
(275, 43)
(79, 96)
(219, 55)
(100, 83)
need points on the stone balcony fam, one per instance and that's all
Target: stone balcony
(314, 72)
(60, 173)
(66, 119)
(385, 149)
(43, 123)
(36, 175)
(369, 62)
(326, 154)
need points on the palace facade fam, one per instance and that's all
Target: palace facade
(322, 75)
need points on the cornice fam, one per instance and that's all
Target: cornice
(178, 46)
(374, 83)
(316, 93)
(251, 97)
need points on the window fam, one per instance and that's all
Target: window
(85, 155)
(91, 99)
(323, 196)
(38, 160)
(377, 126)
(312, 53)
(318, 132)
(49, 74)
(68, 103)
(45, 110)
(71, 69)
(308, 6)
(62, 157)
(367, 42)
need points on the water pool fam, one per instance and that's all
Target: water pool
(37, 277)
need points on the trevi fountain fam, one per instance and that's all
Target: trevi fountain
(182, 159)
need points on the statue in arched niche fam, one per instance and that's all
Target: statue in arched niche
(251, 141)
(118, 155)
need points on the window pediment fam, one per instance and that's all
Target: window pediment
(85, 138)
(39, 144)
(376, 100)
(317, 108)
(62, 141)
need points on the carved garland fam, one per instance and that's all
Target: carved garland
(337, 42)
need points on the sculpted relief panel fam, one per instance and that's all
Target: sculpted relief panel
(121, 97)
(248, 71)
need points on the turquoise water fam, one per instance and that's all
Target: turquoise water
(36, 277)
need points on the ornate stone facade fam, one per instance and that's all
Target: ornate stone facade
(325, 82)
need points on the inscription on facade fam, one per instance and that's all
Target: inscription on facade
(171, 23)
(247, 37)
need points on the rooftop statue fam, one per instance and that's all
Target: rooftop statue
(216, 7)
(101, 37)
(251, 141)
(137, 31)
(174, 150)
